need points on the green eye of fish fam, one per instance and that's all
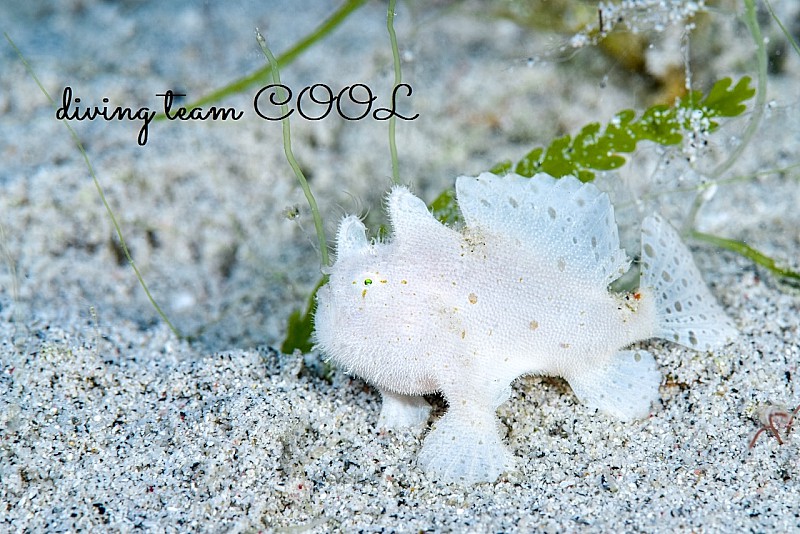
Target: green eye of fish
(367, 281)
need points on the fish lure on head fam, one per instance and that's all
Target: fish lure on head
(522, 289)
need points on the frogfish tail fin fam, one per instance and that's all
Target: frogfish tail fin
(686, 311)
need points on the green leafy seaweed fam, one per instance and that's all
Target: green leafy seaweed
(600, 149)
(445, 208)
(595, 150)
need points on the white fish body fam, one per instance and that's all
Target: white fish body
(523, 289)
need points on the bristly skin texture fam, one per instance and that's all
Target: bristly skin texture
(523, 289)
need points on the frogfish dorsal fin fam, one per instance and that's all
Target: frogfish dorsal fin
(568, 222)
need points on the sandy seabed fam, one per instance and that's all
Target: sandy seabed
(109, 423)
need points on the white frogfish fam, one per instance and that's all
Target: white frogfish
(522, 289)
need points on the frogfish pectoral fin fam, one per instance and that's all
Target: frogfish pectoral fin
(625, 387)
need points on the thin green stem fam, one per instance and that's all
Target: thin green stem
(398, 79)
(723, 181)
(748, 252)
(283, 60)
(12, 272)
(100, 192)
(786, 32)
(751, 19)
(287, 149)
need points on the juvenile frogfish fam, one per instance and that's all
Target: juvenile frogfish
(522, 288)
